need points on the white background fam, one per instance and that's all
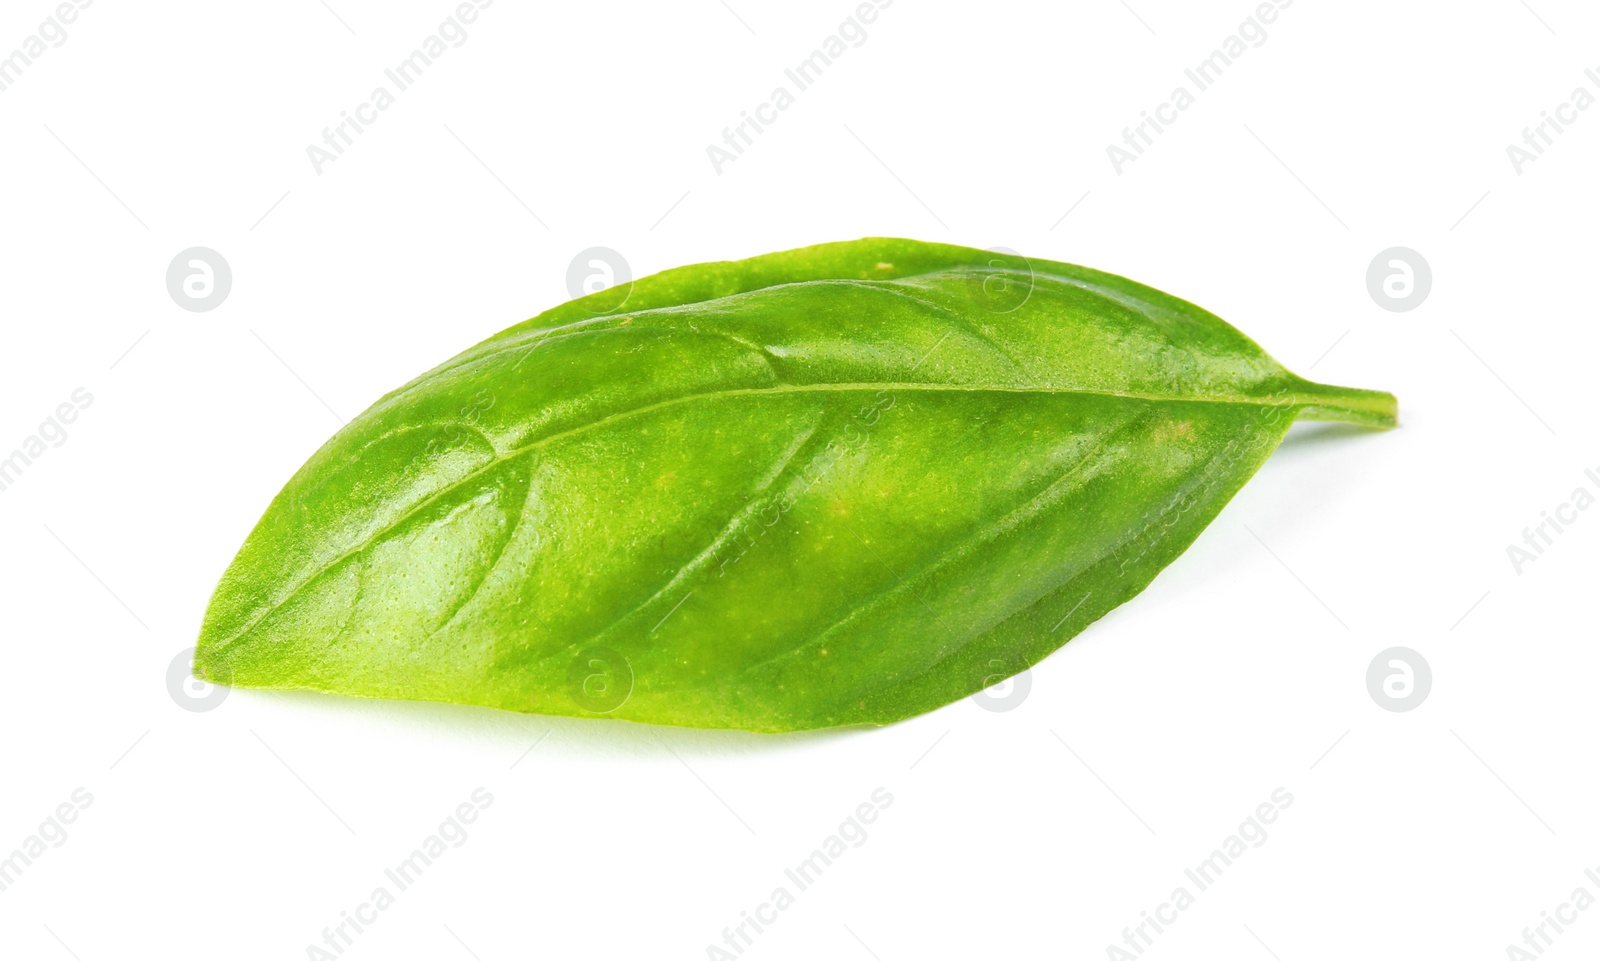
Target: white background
(243, 831)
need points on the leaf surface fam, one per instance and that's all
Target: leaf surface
(839, 485)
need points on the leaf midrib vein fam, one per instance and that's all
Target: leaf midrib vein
(502, 457)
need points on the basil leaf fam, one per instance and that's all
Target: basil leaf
(838, 485)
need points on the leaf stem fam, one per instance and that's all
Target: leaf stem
(1346, 405)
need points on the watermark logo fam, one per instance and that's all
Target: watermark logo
(188, 691)
(599, 680)
(1003, 691)
(596, 271)
(1399, 279)
(199, 279)
(1007, 280)
(1399, 679)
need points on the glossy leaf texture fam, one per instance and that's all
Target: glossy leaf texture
(839, 485)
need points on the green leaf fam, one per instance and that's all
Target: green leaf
(838, 485)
